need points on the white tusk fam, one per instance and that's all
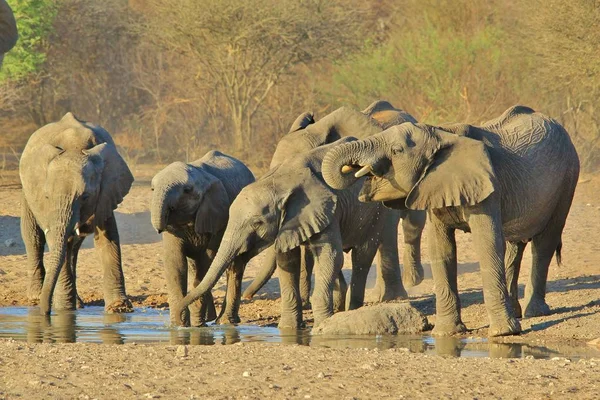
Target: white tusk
(46, 231)
(77, 231)
(346, 169)
(363, 171)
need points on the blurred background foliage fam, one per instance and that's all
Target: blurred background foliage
(172, 79)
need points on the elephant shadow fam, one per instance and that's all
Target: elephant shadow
(134, 228)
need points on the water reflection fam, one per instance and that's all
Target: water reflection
(152, 326)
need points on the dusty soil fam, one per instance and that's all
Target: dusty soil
(288, 371)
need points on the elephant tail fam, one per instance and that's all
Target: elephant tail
(559, 253)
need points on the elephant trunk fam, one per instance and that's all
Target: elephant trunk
(268, 269)
(343, 165)
(161, 205)
(224, 257)
(56, 236)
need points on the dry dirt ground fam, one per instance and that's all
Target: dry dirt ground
(256, 370)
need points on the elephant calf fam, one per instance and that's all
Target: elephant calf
(190, 204)
(292, 208)
(73, 178)
(510, 180)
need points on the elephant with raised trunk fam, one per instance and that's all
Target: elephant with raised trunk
(73, 178)
(291, 207)
(190, 207)
(509, 181)
(306, 134)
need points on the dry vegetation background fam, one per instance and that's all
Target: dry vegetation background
(172, 79)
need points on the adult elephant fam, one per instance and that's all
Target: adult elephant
(510, 180)
(190, 206)
(306, 134)
(73, 178)
(291, 207)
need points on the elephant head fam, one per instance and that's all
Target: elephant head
(183, 194)
(71, 182)
(414, 166)
(306, 134)
(285, 208)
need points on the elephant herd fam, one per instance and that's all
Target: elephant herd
(344, 183)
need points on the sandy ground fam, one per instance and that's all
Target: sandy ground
(291, 371)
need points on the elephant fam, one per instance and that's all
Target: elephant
(190, 207)
(8, 30)
(509, 181)
(291, 207)
(73, 178)
(306, 134)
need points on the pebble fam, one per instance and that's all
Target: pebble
(320, 375)
(246, 374)
(9, 242)
(182, 351)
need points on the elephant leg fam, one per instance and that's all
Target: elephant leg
(543, 247)
(340, 288)
(289, 284)
(65, 294)
(106, 240)
(203, 309)
(486, 225)
(326, 248)
(231, 305)
(389, 285)
(265, 273)
(362, 259)
(34, 240)
(442, 249)
(306, 270)
(413, 223)
(176, 267)
(74, 254)
(512, 260)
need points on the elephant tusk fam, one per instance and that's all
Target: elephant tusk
(346, 169)
(46, 231)
(363, 171)
(77, 232)
(159, 231)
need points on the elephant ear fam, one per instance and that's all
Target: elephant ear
(459, 173)
(303, 120)
(116, 179)
(306, 210)
(213, 212)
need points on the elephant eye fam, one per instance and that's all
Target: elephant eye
(256, 224)
(187, 189)
(152, 188)
(397, 149)
(85, 196)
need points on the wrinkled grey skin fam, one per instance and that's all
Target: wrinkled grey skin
(509, 181)
(8, 30)
(291, 207)
(73, 178)
(306, 134)
(190, 206)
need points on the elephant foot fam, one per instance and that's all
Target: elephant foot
(505, 328)
(447, 327)
(33, 293)
(228, 320)
(290, 322)
(397, 293)
(536, 307)
(119, 306)
(412, 276)
(79, 303)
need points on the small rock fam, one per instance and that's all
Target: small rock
(246, 374)
(151, 396)
(320, 375)
(273, 386)
(9, 242)
(307, 396)
(182, 351)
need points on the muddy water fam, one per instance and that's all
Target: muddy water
(147, 325)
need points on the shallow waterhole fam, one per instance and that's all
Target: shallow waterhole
(147, 325)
